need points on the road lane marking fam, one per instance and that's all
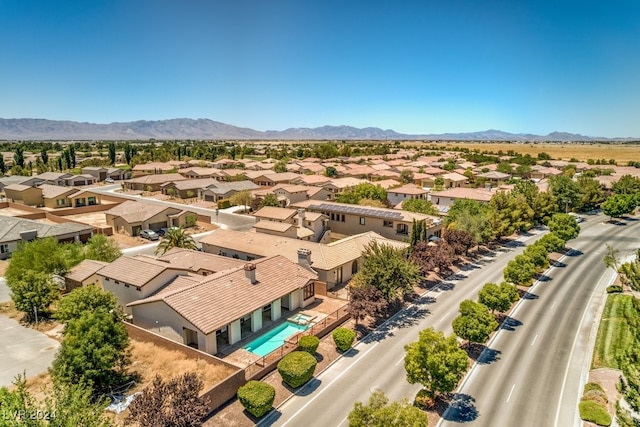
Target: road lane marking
(443, 317)
(329, 385)
(399, 361)
(554, 304)
(509, 397)
(534, 340)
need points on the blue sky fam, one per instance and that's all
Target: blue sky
(412, 66)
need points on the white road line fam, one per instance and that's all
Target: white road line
(329, 385)
(443, 317)
(509, 397)
(554, 304)
(343, 420)
(399, 361)
(534, 340)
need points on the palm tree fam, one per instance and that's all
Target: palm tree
(176, 238)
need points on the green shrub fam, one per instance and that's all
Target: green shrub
(592, 386)
(309, 343)
(592, 412)
(257, 397)
(614, 289)
(224, 203)
(343, 338)
(596, 396)
(296, 368)
(425, 399)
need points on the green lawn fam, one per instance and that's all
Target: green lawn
(614, 333)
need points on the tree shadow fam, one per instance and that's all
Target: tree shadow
(559, 264)
(462, 409)
(306, 389)
(573, 252)
(482, 354)
(510, 324)
(469, 266)
(457, 276)
(446, 286)
(541, 277)
(527, 295)
(266, 421)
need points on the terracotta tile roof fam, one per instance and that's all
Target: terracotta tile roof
(136, 271)
(85, 269)
(272, 212)
(346, 182)
(387, 183)
(454, 176)
(494, 175)
(191, 184)
(11, 227)
(465, 193)
(313, 179)
(196, 261)
(367, 211)
(280, 227)
(18, 187)
(229, 295)
(408, 189)
(132, 211)
(157, 178)
(323, 256)
(52, 191)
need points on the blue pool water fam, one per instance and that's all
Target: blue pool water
(273, 339)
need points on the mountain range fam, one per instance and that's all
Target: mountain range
(42, 129)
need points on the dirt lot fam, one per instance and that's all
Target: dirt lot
(619, 152)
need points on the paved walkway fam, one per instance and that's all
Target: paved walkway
(22, 349)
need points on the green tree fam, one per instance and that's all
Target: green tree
(43, 256)
(269, 200)
(387, 269)
(241, 198)
(505, 168)
(94, 351)
(538, 255)
(520, 271)
(627, 184)
(72, 405)
(330, 172)
(44, 156)
(406, 176)
(498, 297)
(18, 156)
(475, 322)
(435, 362)
(112, 153)
(618, 205)
(551, 242)
(630, 273)
(610, 258)
(567, 193)
(101, 248)
(85, 299)
(361, 191)
(33, 293)
(438, 183)
(280, 167)
(592, 192)
(544, 205)
(129, 152)
(176, 238)
(564, 226)
(380, 413)
(3, 166)
(422, 206)
(472, 217)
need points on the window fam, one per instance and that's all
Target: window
(402, 229)
(387, 223)
(138, 289)
(361, 220)
(342, 220)
(61, 202)
(4, 248)
(309, 291)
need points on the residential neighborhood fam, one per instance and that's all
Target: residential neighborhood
(236, 261)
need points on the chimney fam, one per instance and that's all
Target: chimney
(250, 273)
(301, 218)
(304, 259)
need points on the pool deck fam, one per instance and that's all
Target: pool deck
(321, 308)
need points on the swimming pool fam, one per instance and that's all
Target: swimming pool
(273, 339)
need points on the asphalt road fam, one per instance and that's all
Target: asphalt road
(533, 375)
(377, 363)
(226, 220)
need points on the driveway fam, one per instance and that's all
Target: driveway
(22, 349)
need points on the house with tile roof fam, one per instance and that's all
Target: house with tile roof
(354, 219)
(151, 182)
(409, 191)
(131, 217)
(448, 197)
(15, 230)
(334, 262)
(186, 188)
(293, 223)
(24, 194)
(216, 311)
(84, 274)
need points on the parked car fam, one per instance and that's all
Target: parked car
(149, 234)
(109, 180)
(577, 217)
(164, 230)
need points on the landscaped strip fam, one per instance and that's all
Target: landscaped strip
(614, 334)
